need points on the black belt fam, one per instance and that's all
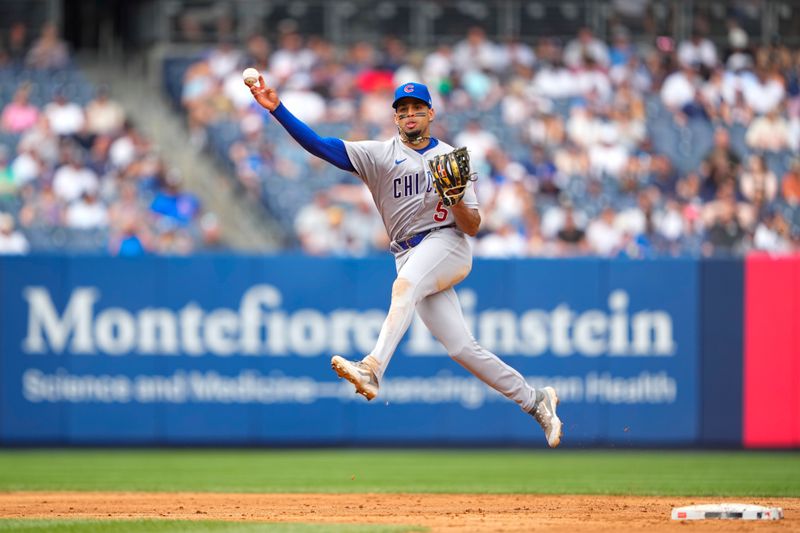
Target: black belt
(407, 244)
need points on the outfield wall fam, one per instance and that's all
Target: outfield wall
(235, 350)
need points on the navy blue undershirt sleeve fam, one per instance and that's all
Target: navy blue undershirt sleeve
(329, 149)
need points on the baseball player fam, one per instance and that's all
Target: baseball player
(431, 251)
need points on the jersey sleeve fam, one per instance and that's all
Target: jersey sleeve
(470, 198)
(364, 156)
(328, 148)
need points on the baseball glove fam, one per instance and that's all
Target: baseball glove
(451, 174)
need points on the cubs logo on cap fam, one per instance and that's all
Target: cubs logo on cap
(412, 90)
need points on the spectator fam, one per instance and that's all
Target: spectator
(737, 111)
(26, 167)
(224, 58)
(212, 233)
(739, 54)
(720, 165)
(43, 210)
(49, 51)
(87, 213)
(698, 50)
(66, 118)
(583, 127)
(19, 115)
(592, 82)
(510, 200)
(662, 175)
(198, 87)
(622, 50)
(291, 60)
(505, 242)
(669, 224)
(170, 202)
(634, 73)
(476, 51)
(405, 66)
(104, 116)
(553, 219)
(73, 179)
(514, 53)
(680, 88)
(634, 220)
(586, 47)
(479, 142)
(310, 106)
(11, 242)
(758, 181)
(722, 148)
(515, 106)
(363, 227)
(772, 234)
(763, 92)
(631, 128)
(692, 241)
(554, 80)
(571, 238)
(171, 239)
(609, 156)
(257, 52)
(438, 67)
(602, 235)
(768, 133)
(123, 152)
(41, 141)
(129, 243)
(790, 188)
(481, 88)
(725, 235)
(636, 173)
(544, 171)
(712, 93)
(7, 183)
(312, 225)
(16, 45)
(571, 161)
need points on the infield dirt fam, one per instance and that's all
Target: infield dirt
(438, 512)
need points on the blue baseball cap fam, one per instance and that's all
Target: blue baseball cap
(412, 90)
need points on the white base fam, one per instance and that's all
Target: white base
(727, 511)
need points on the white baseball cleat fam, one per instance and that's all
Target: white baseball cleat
(545, 413)
(357, 373)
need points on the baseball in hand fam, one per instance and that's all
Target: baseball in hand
(250, 76)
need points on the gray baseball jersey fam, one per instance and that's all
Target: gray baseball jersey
(402, 186)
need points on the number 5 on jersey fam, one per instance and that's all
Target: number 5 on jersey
(440, 215)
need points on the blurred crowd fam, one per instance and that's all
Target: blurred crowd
(82, 177)
(582, 146)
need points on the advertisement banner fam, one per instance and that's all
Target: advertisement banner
(236, 350)
(771, 417)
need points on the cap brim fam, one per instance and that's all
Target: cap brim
(394, 104)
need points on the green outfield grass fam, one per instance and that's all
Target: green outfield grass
(680, 473)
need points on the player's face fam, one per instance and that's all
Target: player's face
(413, 117)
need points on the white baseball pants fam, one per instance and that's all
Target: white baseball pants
(426, 275)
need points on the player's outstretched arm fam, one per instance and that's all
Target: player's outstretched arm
(267, 97)
(468, 219)
(329, 149)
